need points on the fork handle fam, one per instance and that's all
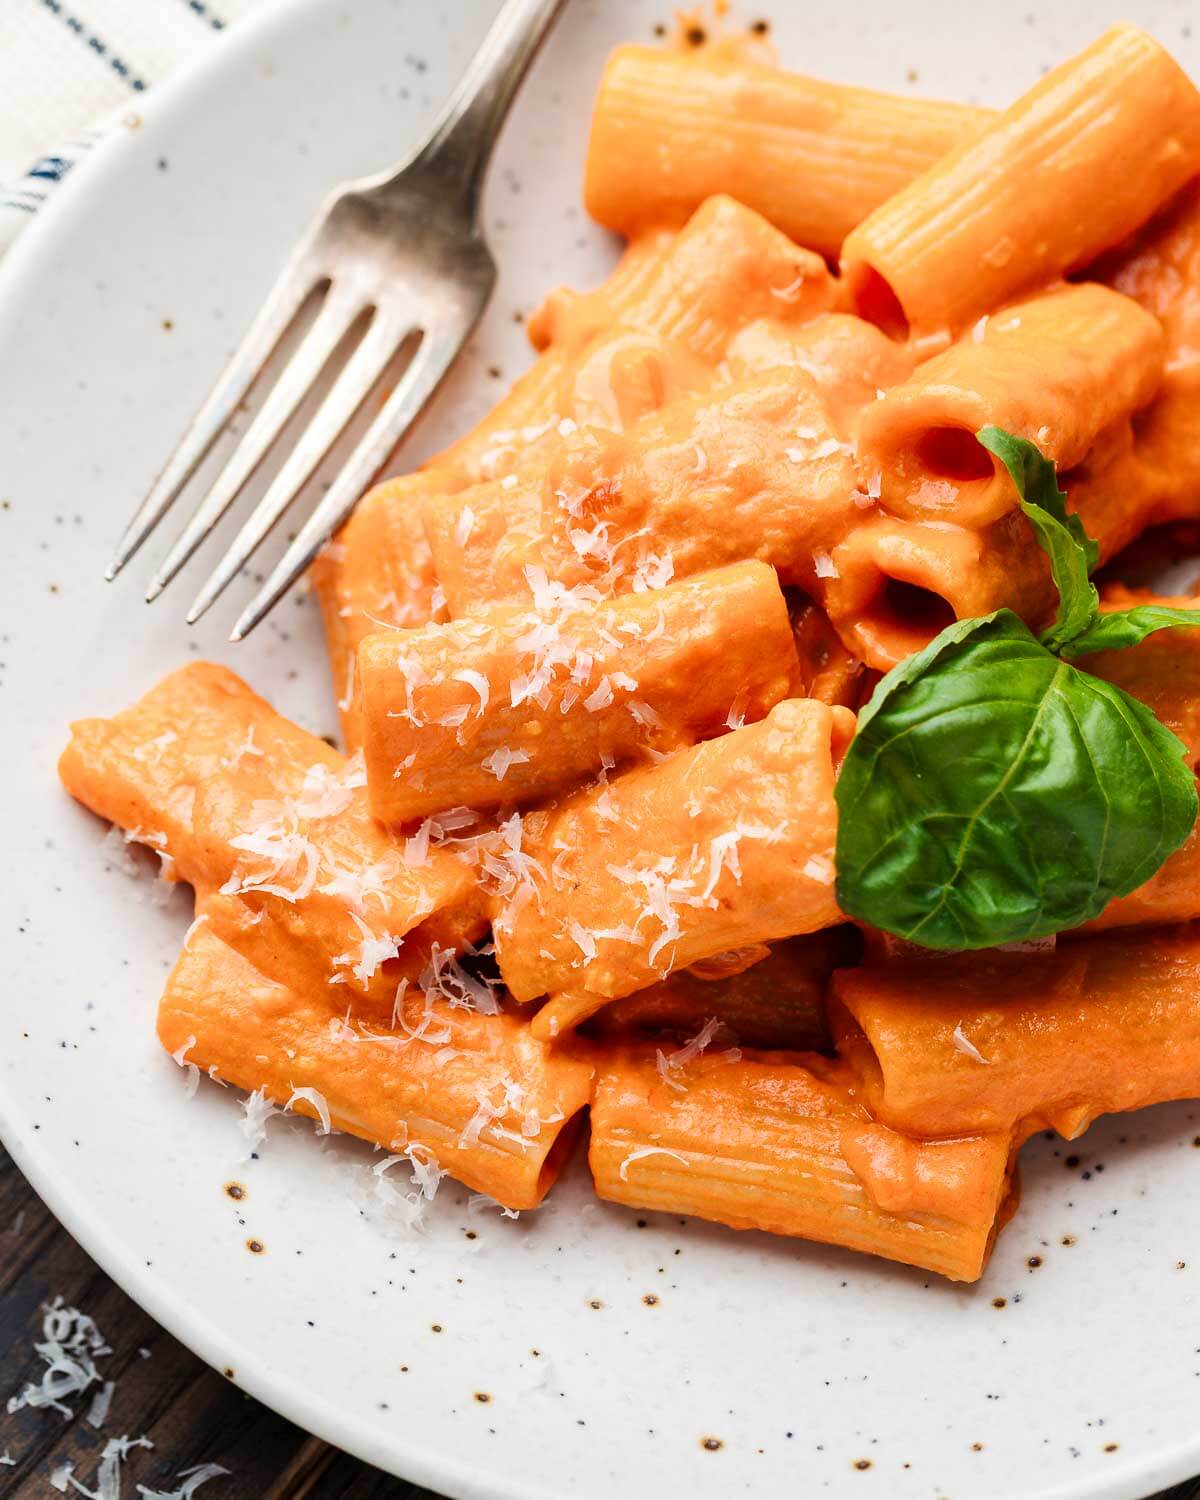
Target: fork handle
(460, 145)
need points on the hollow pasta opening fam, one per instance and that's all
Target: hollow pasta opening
(878, 304)
(853, 1044)
(955, 454)
(910, 615)
(556, 1157)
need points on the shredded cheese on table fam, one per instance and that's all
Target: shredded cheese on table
(108, 1476)
(97, 1412)
(70, 1345)
(192, 1479)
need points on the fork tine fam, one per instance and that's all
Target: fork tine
(295, 381)
(275, 316)
(351, 388)
(416, 386)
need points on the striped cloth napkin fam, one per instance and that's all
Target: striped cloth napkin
(70, 69)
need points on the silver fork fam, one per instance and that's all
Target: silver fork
(405, 248)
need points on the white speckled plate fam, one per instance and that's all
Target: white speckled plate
(1072, 1370)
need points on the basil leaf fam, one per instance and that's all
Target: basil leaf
(1073, 554)
(995, 793)
(1126, 627)
(913, 667)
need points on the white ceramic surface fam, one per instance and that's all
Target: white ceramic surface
(115, 312)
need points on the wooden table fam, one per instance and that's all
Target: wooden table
(190, 1413)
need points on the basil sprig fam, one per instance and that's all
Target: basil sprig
(994, 792)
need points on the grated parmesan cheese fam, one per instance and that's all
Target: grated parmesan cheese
(178, 1057)
(191, 1478)
(502, 759)
(356, 884)
(480, 1203)
(70, 1345)
(583, 939)
(404, 1210)
(326, 793)
(823, 565)
(964, 1045)
(108, 1476)
(253, 1124)
(375, 949)
(643, 715)
(790, 292)
(653, 572)
(641, 1153)
(600, 697)
(477, 681)
(97, 1412)
(287, 852)
(241, 750)
(820, 868)
(443, 975)
(317, 1100)
(723, 855)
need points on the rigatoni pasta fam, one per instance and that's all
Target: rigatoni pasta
(601, 663)
(447, 1088)
(720, 846)
(726, 264)
(764, 996)
(272, 827)
(670, 129)
(1004, 1041)
(750, 469)
(1078, 163)
(1059, 368)
(479, 711)
(778, 1142)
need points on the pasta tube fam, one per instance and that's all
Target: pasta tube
(829, 671)
(850, 360)
(896, 583)
(725, 267)
(774, 1002)
(273, 829)
(1000, 1041)
(779, 1142)
(749, 470)
(453, 1090)
(1161, 270)
(722, 846)
(1058, 369)
(379, 572)
(516, 704)
(482, 538)
(1078, 163)
(669, 129)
